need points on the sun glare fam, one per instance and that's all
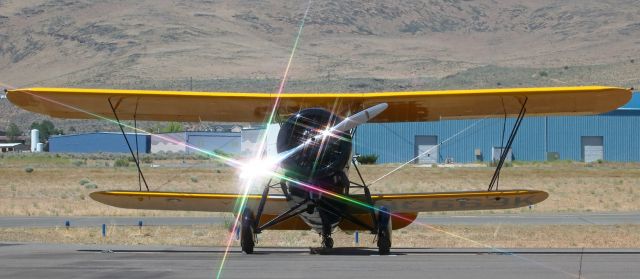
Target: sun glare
(258, 168)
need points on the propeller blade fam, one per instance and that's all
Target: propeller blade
(360, 118)
(345, 125)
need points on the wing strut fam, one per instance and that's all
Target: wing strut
(141, 175)
(505, 149)
(135, 130)
(292, 212)
(367, 193)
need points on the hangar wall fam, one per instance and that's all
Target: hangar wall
(460, 140)
(227, 142)
(98, 142)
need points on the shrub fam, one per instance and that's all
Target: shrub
(504, 165)
(194, 179)
(368, 159)
(202, 157)
(79, 163)
(84, 181)
(222, 153)
(121, 163)
(91, 186)
(28, 169)
(147, 160)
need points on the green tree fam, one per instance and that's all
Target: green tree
(172, 127)
(168, 127)
(46, 129)
(13, 132)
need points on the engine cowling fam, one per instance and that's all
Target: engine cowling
(323, 158)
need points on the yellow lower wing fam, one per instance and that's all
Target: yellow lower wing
(401, 203)
(405, 207)
(186, 201)
(458, 201)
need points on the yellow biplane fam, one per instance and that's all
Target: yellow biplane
(314, 150)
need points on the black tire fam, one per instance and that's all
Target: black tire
(247, 235)
(384, 232)
(327, 242)
(384, 243)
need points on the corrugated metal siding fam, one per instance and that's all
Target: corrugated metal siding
(168, 143)
(98, 142)
(394, 142)
(620, 133)
(210, 141)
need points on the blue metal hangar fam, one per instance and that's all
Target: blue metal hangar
(106, 142)
(113, 142)
(614, 136)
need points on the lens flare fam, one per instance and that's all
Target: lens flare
(242, 202)
(252, 170)
(261, 148)
(256, 169)
(240, 165)
(6, 86)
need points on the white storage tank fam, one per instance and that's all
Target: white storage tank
(39, 147)
(35, 136)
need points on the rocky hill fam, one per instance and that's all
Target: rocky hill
(345, 45)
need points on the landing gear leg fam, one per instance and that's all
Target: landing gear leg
(247, 234)
(327, 241)
(384, 231)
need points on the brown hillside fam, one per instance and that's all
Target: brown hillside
(345, 45)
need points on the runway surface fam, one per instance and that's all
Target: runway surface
(531, 219)
(99, 261)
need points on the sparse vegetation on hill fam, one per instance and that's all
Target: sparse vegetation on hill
(346, 46)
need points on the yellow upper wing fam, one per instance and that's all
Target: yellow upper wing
(254, 107)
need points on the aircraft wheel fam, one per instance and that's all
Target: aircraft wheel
(384, 231)
(327, 242)
(247, 235)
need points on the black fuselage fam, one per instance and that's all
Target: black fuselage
(320, 169)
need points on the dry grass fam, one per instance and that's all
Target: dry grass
(456, 236)
(54, 187)
(573, 187)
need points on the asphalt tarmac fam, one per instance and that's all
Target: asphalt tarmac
(519, 219)
(100, 261)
